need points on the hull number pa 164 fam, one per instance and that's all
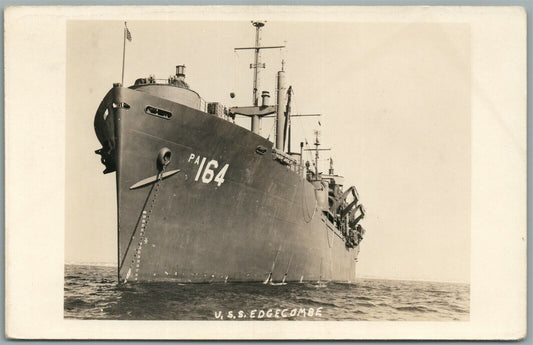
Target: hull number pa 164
(206, 170)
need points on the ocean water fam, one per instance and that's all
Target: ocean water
(91, 292)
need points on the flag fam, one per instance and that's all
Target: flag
(128, 33)
(318, 121)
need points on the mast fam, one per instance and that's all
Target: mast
(256, 111)
(316, 149)
(257, 57)
(317, 143)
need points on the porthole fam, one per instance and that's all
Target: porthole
(150, 110)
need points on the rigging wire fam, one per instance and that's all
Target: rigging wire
(236, 58)
(271, 130)
(301, 126)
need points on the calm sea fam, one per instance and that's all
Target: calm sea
(91, 292)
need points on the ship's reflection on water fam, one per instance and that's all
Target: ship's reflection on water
(91, 292)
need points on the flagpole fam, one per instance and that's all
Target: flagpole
(124, 53)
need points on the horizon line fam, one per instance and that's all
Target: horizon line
(363, 276)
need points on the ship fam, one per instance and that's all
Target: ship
(201, 199)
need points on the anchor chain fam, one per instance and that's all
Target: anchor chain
(136, 260)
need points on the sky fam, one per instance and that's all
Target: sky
(395, 106)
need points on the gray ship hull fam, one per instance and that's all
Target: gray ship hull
(231, 213)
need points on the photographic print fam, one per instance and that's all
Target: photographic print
(310, 166)
(268, 170)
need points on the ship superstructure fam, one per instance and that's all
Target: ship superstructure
(201, 199)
